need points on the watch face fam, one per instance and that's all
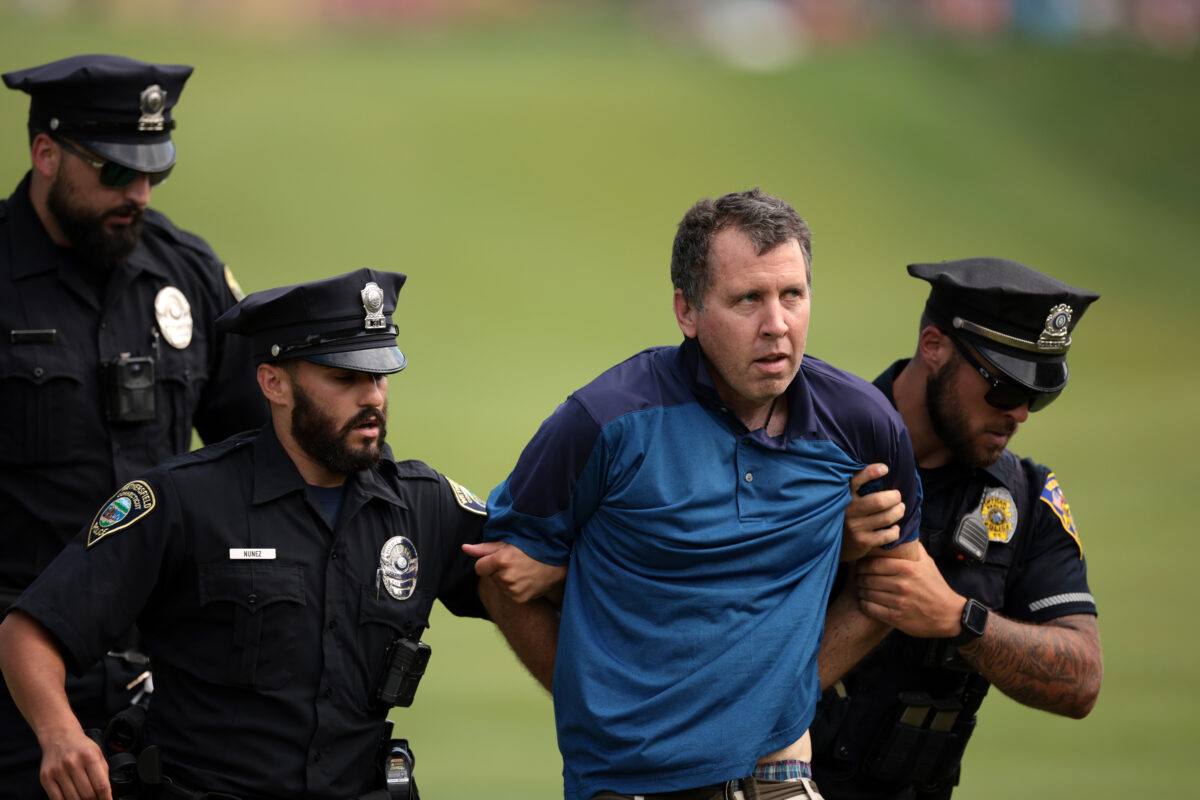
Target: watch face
(975, 617)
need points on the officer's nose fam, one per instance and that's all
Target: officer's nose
(1020, 413)
(138, 190)
(374, 390)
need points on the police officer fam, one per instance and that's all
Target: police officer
(1000, 594)
(281, 577)
(107, 313)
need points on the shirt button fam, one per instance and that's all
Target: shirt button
(332, 624)
(749, 477)
(37, 372)
(333, 556)
(316, 757)
(328, 693)
(252, 599)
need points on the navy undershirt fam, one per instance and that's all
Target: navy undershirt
(330, 500)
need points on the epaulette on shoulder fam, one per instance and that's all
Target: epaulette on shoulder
(415, 469)
(161, 224)
(209, 453)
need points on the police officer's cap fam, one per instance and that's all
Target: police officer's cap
(117, 107)
(1017, 318)
(343, 322)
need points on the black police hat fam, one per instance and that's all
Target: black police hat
(1017, 318)
(341, 322)
(117, 107)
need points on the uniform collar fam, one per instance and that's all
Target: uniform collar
(275, 474)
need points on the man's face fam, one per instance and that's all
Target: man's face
(975, 432)
(754, 323)
(340, 419)
(102, 223)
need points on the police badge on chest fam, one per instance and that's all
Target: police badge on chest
(398, 567)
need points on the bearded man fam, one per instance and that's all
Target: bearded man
(282, 578)
(112, 356)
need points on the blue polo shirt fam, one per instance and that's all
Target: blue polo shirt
(701, 556)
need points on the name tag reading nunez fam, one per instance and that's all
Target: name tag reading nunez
(243, 553)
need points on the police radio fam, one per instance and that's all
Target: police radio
(406, 661)
(129, 388)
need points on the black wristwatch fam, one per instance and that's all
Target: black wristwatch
(974, 620)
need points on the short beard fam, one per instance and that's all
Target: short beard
(96, 244)
(317, 435)
(950, 422)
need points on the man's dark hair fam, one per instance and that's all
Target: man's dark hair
(767, 220)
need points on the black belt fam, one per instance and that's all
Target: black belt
(170, 790)
(699, 793)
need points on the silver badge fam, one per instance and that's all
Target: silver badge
(999, 512)
(398, 567)
(1055, 335)
(372, 300)
(174, 315)
(153, 101)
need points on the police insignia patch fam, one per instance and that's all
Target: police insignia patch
(397, 568)
(174, 315)
(1052, 496)
(999, 513)
(468, 499)
(133, 501)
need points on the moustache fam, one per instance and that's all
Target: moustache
(127, 210)
(367, 415)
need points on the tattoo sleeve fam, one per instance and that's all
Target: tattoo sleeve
(1055, 666)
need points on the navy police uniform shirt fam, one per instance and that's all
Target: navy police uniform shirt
(1033, 571)
(59, 456)
(268, 628)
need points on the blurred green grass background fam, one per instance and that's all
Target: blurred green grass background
(528, 176)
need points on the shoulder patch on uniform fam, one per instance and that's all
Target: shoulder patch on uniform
(1052, 496)
(233, 285)
(467, 499)
(132, 501)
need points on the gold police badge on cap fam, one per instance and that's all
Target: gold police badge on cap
(153, 101)
(372, 300)
(397, 568)
(174, 315)
(999, 512)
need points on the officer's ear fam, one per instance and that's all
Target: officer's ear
(276, 384)
(45, 155)
(934, 348)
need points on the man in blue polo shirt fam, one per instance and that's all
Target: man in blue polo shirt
(697, 494)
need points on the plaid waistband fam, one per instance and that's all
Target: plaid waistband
(787, 770)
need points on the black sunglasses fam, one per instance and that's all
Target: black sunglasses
(1002, 394)
(112, 174)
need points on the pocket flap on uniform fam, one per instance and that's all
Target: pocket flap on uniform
(252, 586)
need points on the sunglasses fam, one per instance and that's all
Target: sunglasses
(112, 174)
(1003, 394)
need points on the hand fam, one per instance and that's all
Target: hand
(871, 519)
(74, 767)
(519, 576)
(911, 596)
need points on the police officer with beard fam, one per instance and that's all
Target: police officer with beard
(111, 355)
(999, 595)
(282, 578)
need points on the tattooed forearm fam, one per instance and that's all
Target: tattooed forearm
(1055, 666)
